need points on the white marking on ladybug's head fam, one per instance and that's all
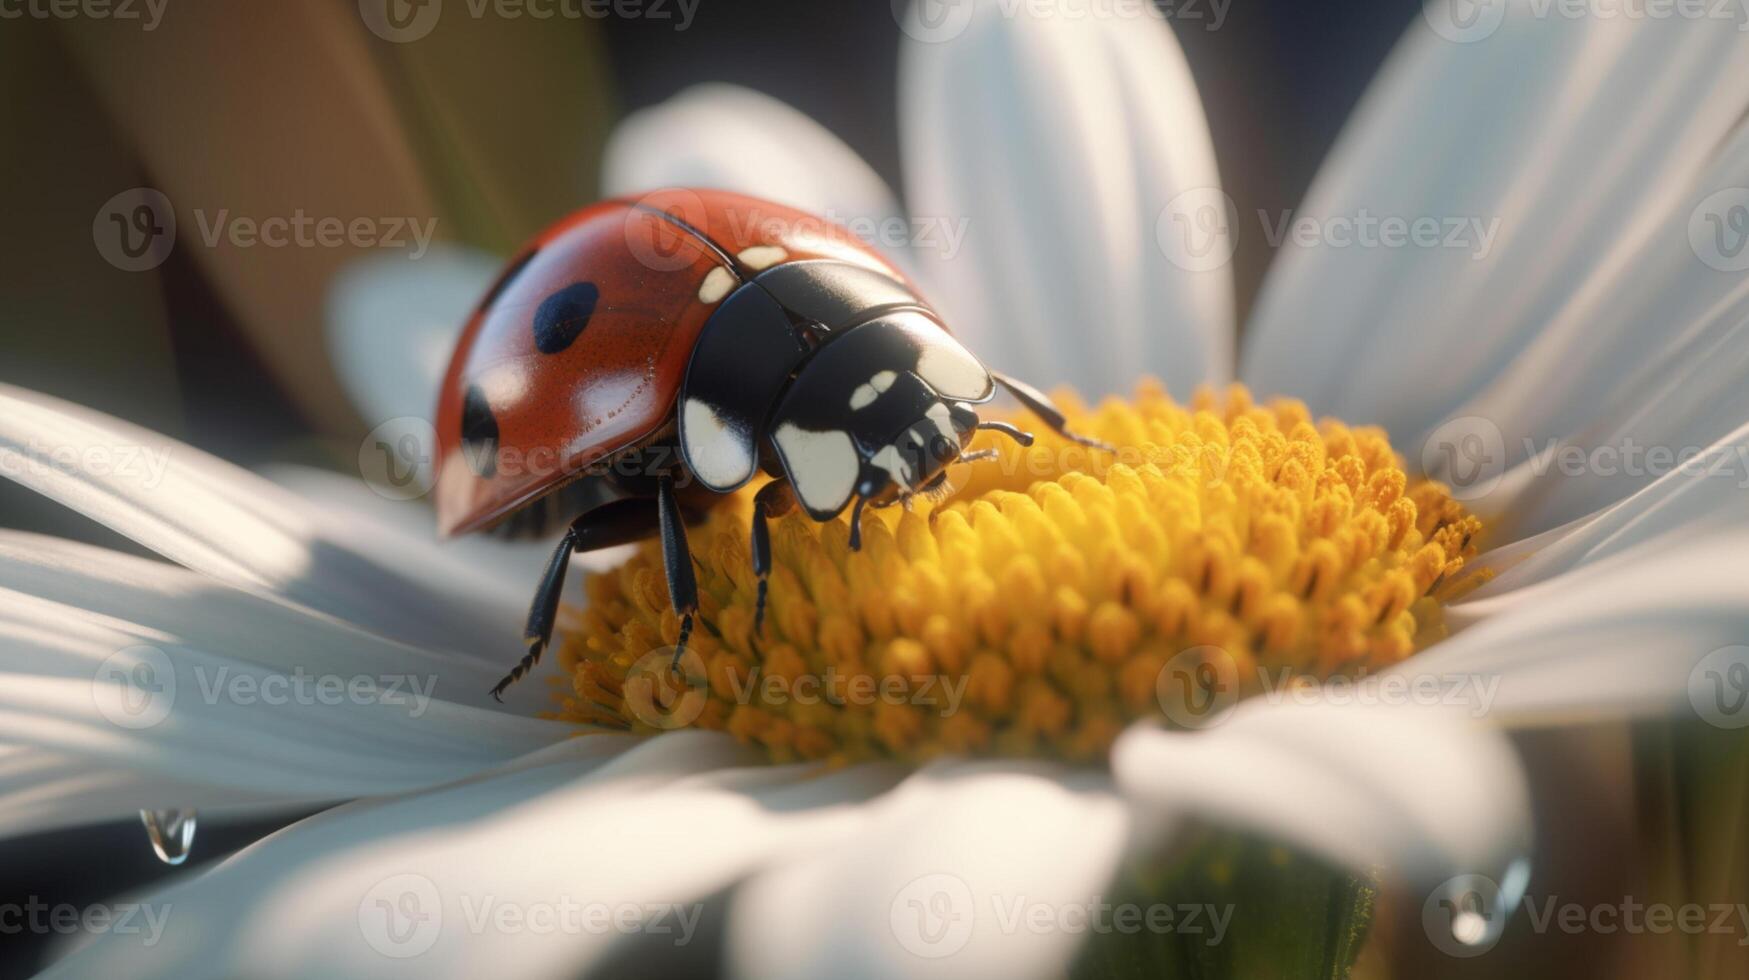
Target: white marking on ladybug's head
(717, 284)
(822, 466)
(893, 462)
(943, 419)
(758, 257)
(917, 456)
(718, 455)
(866, 393)
(952, 370)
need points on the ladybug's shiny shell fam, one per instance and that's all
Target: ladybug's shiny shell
(578, 352)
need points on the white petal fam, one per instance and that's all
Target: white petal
(1627, 632)
(1694, 501)
(128, 683)
(1425, 793)
(1590, 141)
(1640, 372)
(59, 584)
(219, 743)
(393, 323)
(958, 846)
(736, 139)
(492, 579)
(1065, 147)
(215, 518)
(493, 864)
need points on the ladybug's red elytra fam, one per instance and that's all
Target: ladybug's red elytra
(644, 358)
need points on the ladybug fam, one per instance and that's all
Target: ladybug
(646, 357)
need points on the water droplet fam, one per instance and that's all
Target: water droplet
(1470, 928)
(171, 833)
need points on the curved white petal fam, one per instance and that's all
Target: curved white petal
(1637, 375)
(1423, 792)
(126, 684)
(1628, 631)
(736, 139)
(1688, 501)
(56, 583)
(393, 324)
(555, 868)
(218, 519)
(500, 573)
(930, 886)
(1067, 147)
(494, 579)
(1585, 144)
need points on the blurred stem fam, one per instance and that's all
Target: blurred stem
(1695, 814)
(1708, 863)
(1261, 911)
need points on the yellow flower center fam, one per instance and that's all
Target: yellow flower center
(1049, 601)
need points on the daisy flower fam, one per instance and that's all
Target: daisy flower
(309, 644)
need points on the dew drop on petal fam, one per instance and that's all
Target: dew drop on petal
(171, 833)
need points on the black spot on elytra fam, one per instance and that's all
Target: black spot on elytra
(479, 434)
(563, 315)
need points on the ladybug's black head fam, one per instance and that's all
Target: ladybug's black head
(878, 412)
(907, 438)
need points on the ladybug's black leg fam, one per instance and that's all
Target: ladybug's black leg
(677, 559)
(611, 524)
(544, 612)
(775, 499)
(1040, 404)
(856, 524)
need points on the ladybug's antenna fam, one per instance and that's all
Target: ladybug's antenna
(1024, 438)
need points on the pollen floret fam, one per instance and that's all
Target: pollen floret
(1035, 610)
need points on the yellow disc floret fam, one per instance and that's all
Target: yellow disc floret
(1033, 611)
